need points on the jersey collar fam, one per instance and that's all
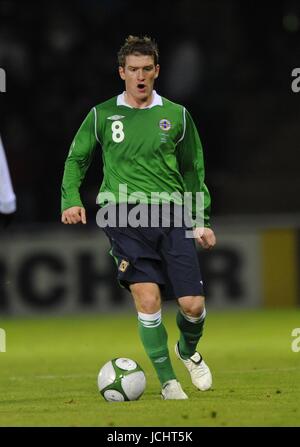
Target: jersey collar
(157, 101)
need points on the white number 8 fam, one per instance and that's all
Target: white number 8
(117, 131)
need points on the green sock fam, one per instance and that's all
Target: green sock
(155, 338)
(191, 329)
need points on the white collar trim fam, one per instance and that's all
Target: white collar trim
(156, 101)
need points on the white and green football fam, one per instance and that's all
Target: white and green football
(121, 379)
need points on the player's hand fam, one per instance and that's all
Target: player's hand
(205, 237)
(74, 215)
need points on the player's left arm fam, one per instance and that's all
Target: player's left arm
(191, 165)
(205, 237)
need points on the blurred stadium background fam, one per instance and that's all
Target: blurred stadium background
(230, 63)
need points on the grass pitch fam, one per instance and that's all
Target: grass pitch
(49, 372)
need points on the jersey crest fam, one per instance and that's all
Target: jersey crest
(165, 124)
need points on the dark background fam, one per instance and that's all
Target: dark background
(229, 62)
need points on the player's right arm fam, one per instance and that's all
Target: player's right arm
(78, 160)
(74, 215)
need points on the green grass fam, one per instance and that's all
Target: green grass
(48, 374)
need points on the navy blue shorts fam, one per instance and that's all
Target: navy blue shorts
(160, 255)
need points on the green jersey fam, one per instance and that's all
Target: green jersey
(151, 150)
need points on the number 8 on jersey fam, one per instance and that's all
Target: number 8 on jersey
(117, 131)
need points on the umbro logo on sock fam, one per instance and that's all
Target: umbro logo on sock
(160, 360)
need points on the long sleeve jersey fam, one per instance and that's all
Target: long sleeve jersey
(151, 152)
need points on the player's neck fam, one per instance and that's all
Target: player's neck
(138, 103)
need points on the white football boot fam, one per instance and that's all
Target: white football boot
(172, 390)
(198, 369)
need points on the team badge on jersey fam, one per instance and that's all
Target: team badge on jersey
(165, 124)
(115, 117)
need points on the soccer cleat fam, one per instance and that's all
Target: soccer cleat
(172, 390)
(198, 369)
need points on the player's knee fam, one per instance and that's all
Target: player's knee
(193, 306)
(149, 305)
(147, 299)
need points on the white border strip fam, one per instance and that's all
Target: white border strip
(184, 127)
(95, 113)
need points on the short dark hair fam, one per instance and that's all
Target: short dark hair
(138, 45)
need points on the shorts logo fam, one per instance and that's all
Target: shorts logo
(123, 266)
(165, 124)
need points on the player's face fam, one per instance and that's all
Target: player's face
(139, 75)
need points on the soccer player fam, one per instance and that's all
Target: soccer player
(7, 195)
(149, 144)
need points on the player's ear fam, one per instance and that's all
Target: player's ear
(122, 73)
(157, 68)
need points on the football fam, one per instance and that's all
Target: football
(121, 379)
